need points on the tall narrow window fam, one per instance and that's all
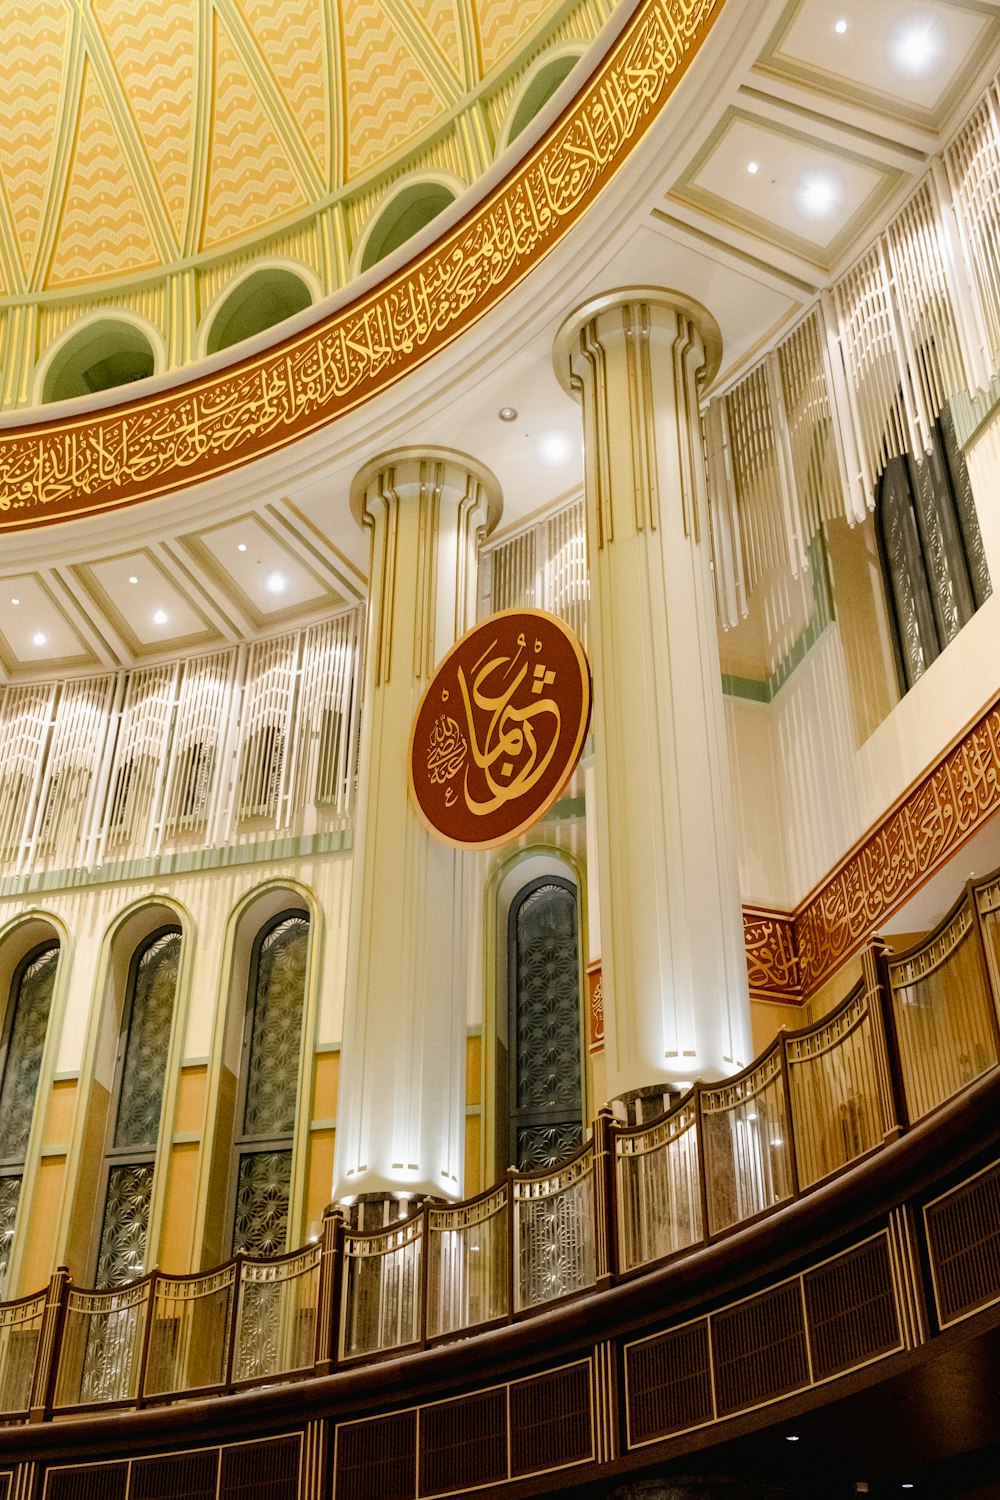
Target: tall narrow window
(933, 562)
(269, 1083)
(546, 1106)
(26, 1022)
(140, 1076)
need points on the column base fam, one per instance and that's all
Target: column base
(369, 1211)
(641, 1106)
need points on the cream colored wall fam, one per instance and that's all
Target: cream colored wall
(806, 787)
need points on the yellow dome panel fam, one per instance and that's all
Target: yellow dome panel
(103, 228)
(502, 24)
(441, 24)
(33, 47)
(153, 49)
(251, 180)
(289, 36)
(388, 96)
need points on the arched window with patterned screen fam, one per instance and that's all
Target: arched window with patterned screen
(269, 1085)
(544, 1024)
(25, 1024)
(933, 564)
(137, 1101)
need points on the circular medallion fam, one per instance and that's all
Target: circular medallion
(500, 728)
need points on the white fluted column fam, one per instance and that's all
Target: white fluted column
(401, 1111)
(673, 966)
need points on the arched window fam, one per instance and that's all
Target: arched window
(105, 353)
(544, 1024)
(140, 1075)
(539, 91)
(933, 564)
(25, 1025)
(407, 213)
(261, 300)
(269, 1084)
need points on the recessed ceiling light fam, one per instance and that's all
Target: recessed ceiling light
(160, 617)
(242, 547)
(507, 413)
(752, 168)
(39, 638)
(132, 578)
(818, 195)
(916, 46)
(554, 449)
(791, 1437)
(276, 583)
(840, 28)
(15, 601)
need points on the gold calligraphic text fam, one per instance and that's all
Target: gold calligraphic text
(202, 429)
(946, 806)
(595, 997)
(446, 750)
(517, 690)
(772, 955)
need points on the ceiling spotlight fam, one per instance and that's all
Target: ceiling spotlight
(132, 578)
(242, 547)
(915, 48)
(507, 413)
(160, 617)
(276, 583)
(554, 449)
(39, 638)
(818, 195)
(752, 168)
(840, 28)
(15, 601)
(791, 1437)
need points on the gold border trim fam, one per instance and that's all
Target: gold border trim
(57, 470)
(920, 833)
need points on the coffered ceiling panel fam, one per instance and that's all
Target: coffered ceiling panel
(805, 193)
(267, 572)
(147, 605)
(36, 633)
(909, 59)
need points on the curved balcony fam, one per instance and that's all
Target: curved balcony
(829, 1212)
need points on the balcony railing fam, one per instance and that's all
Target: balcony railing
(919, 1028)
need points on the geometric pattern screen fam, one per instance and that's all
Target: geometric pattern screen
(28, 1015)
(547, 1103)
(273, 1043)
(149, 1012)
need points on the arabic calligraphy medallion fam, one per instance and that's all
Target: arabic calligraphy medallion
(500, 728)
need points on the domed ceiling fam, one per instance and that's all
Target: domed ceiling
(154, 137)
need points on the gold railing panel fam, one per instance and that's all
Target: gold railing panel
(20, 1335)
(100, 1354)
(554, 1233)
(745, 1135)
(381, 1295)
(467, 1264)
(658, 1183)
(189, 1332)
(943, 1013)
(276, 1319)
(835, 1074)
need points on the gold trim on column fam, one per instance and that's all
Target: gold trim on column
(204, 428)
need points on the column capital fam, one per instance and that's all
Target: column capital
(599, 313)
(417, 466)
